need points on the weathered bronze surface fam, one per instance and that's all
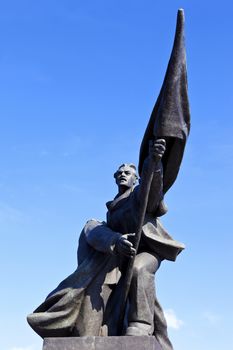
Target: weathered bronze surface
(112, 291)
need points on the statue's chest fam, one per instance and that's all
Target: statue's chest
(122, 218)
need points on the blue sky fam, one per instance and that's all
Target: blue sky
(78, 80)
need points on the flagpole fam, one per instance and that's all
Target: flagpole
(145, 190)
(175, 90)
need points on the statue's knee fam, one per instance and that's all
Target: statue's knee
(146, 266)
(139, 269)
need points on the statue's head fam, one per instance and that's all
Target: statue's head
(126, 175)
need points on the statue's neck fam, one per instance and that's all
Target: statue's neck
(122, 190)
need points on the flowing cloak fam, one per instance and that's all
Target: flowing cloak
(58, 315)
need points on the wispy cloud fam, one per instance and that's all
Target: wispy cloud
(72, 188)
(44, 153)
(30, 347)
(172, 320)
(65, 148)
(71, 146)
(212, 318)
(8, 213)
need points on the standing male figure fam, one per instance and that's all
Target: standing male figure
(144, 315)
(122, 217)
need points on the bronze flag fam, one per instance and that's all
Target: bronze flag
(170, 118)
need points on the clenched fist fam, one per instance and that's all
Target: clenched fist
(157, 148)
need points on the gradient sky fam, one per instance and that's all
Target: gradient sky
(78, 80)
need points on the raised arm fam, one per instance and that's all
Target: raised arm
(156, 152)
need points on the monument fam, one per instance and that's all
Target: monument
(109, 301)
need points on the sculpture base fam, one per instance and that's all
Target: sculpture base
(102, 343)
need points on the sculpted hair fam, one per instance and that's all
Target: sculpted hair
(131, 165)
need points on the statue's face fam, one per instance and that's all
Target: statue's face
(126, 176)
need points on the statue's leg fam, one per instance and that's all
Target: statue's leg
(142, 295)
(90, 318)
(160, 330)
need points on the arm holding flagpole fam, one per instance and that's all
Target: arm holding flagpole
(169, 121)
(153, 164)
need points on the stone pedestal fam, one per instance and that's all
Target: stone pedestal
(102, 343)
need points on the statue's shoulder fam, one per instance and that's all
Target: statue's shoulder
(94, 222)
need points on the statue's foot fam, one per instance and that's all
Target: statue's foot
(138, 329)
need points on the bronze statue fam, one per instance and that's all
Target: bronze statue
(112, 291)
